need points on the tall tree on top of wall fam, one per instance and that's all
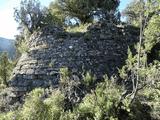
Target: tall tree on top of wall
(84, 10)
(31, 16)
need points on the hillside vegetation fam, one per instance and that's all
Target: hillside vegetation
(7, 45)
(133, 93)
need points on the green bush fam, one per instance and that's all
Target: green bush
(68, 115)
(37, 107)
(55, 105)
(101, 104)
(13, 115)
(64, 75)
(6, 67)
(88, 79)
(152, 33)
(153, 100)
(23, 47)
(34, 107)
(78, 29)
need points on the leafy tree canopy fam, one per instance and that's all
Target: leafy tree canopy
(83, 10)
(31, 15)
(148, 7)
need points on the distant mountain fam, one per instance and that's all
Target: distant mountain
(7, 45)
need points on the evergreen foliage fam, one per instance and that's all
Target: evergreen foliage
(88, 79)
(5, 68)
(132, 12)
(21, 45)
(31, 15)
(34, 108)
(55, 105)
(86, 99)
(149, 8)
(83, 10)
(100, 104)
(152, 32)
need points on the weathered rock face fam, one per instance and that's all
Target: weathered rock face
(102, 49)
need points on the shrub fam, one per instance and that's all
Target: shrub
(6, 67)
(152, 98)
(101, 103)
(64, 75)
(13, 115)
(152, 33)
(88, 79)
(68, 115)
(78, 29)
(34, 107)
(55, 105)
(22, 47)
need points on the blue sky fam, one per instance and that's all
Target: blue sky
(8, 27)
(123, 4)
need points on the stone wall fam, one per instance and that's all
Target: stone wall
(102, 49)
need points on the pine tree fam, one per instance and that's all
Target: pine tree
(83, 10)
(31, 16)
(5, 68)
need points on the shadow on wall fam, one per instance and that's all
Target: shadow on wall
(102, 49)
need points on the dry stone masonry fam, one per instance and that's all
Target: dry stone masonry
(100, 50)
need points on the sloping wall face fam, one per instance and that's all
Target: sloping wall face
(101, 50)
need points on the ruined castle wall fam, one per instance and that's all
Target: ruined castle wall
(101, 50)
